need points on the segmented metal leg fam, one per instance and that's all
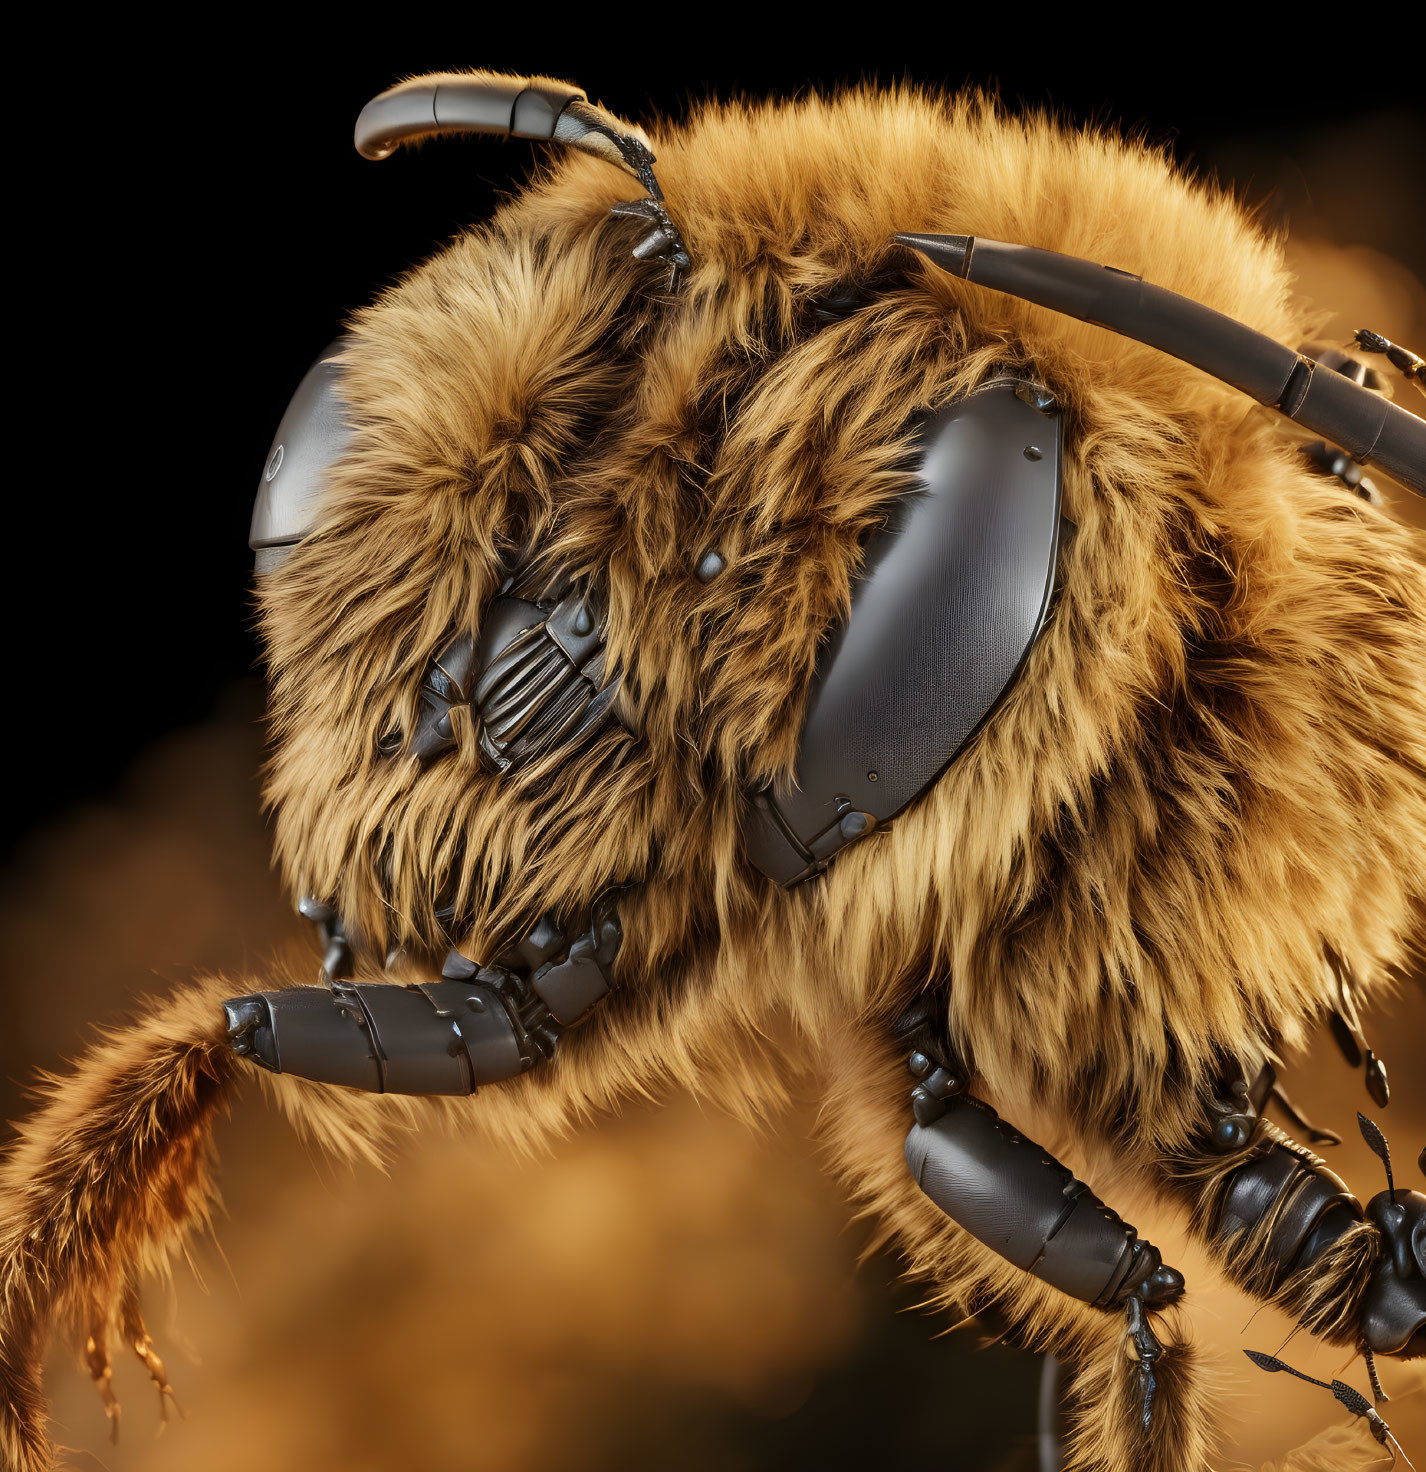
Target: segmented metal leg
(1016, 1198)
(476, 1025)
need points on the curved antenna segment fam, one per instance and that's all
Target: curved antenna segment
(501, 106)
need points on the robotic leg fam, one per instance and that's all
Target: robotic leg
(477, 1025)
(1017, 1199)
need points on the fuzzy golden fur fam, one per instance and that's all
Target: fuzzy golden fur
(1213, 764)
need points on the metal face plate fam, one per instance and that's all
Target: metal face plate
(954, 591)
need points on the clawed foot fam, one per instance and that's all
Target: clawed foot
(140, 1341)
(101, 1370)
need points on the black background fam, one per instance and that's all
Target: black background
(193, 222)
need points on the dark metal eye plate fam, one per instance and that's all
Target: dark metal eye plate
(311, 438)
(955, 589)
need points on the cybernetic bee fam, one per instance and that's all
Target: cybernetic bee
(818, 592)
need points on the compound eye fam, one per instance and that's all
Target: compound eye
(313, 435)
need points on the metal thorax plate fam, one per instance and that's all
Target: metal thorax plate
(953, 594)
(533, 677)
(313, 435)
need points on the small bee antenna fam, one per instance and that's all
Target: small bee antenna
(1374, 1137)
(505, 106)
(1353, 1400)
(1409, 364)
(1273, 1366)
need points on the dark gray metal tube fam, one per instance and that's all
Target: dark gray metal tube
(1017, 1199)
(444, 1037)
(498, 105)
(1365, 424)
